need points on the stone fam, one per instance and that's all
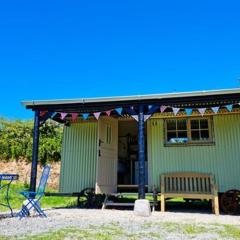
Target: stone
(142, 208)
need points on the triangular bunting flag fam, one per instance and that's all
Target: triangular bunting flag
(54, 114)
(85, 116)
(202, 110)
(146, 117)
(175, 110)
(163, 108)
(63, 115)
(135, 117)
(229, 107)
(152, 110)
(215, 109)
(97, 115)
(42, 113)
(188, 111)
(74, 116)
(108, 112)
(119, 110)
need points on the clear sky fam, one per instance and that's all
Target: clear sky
(71, 49)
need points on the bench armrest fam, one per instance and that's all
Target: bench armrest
(214, 189)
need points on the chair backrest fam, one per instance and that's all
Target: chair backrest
(43, 180)
(187, 182)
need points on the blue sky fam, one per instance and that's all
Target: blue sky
(70, 49)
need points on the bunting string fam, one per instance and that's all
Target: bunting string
(131, 111)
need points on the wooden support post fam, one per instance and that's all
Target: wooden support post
(35, 152)
(141, 153)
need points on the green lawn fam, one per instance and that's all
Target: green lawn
(145, 231)
(16, 198)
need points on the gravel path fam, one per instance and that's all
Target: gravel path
(81, 218)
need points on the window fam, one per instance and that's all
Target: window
(188, 131)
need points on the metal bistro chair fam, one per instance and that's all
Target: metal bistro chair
(33, 198)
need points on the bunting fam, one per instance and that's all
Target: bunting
(229, 107)
(42, 113)
(97, 115)
(215, 109)
(131, 111)
(85, 116)
(119, 110)
(135, 117)
(63, 115)
(146, 117)
(74, 116)
(175, 110)
(202, 110)
(163, 108)
(188, 111)
(108, 112)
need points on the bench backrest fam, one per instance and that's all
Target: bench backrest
(187, 182)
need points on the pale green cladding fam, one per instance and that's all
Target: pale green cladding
(79, 157)
(222, 159)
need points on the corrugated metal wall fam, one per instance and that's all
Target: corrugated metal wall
(221, 159)
(79, 157)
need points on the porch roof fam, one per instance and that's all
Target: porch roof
(181, 99)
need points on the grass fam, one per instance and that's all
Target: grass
(16, 199)
(146, 231)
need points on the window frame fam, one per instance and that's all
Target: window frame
(191, 142)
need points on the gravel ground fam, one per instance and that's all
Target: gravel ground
(83, 219)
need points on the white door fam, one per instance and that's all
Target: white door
(107, 155)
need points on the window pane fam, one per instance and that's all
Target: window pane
(182, 124)
(194, 124)
(171, 136)
(204, 124)
(195, 135)
(182, 134)
(171, 125)
(204, 135)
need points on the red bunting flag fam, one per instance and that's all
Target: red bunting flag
(108, 112)
(42, 113)
(74, 116)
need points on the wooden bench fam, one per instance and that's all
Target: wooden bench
(189, 185)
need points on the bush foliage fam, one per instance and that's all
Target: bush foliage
(16, 140)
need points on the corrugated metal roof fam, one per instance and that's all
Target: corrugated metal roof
(131, 98)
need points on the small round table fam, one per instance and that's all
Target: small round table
(5, 183)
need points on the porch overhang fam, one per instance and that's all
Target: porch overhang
(90, 105)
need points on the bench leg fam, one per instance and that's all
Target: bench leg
(162, 203)
(215, 205)
(105, 202)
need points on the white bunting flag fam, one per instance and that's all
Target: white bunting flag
(215, 109)
(135, 117)
(175, 110)
(202, 110)
(146, 117)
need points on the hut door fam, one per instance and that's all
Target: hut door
(107, 155)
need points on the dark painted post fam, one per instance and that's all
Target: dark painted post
(141, 153)
(35, 152)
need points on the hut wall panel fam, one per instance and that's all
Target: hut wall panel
(222, 159)
(79, 157)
